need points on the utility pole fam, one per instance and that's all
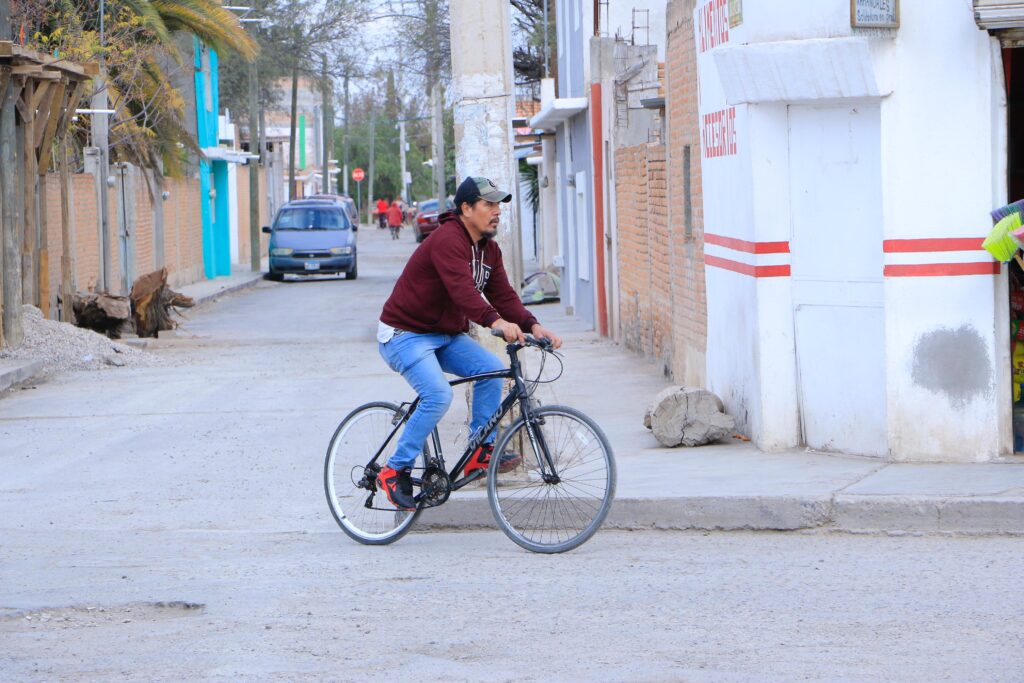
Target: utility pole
(325, 90)
(99, 127)
(344, 139)
(11, 332)
(401, 154)
(369, 187)
(437, 140)
(255, 154)
(485, 104)
(291, 138)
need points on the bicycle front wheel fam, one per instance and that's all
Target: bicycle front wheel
(362, 511)
(562, 490)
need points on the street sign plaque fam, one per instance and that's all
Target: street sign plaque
(358, 175)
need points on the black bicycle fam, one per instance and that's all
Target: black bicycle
(555, 499)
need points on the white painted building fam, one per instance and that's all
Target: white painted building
(848, 176)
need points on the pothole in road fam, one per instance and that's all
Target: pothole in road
(87, 616)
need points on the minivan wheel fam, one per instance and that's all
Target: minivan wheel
(276, 277)
(354, 272)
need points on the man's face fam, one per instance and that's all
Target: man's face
(483, 217)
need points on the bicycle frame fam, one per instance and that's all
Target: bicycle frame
(517, 394)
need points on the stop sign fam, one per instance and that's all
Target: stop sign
(358, 175)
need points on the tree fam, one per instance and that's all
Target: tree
(301, 32)
(138, 50)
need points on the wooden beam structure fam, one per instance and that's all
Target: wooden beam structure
(38, 96)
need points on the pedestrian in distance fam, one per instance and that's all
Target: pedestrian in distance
(395, 215)
(455, 276)
(382, 211)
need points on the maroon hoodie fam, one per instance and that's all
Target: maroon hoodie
(441, 286)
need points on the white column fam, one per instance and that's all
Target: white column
(484, 105)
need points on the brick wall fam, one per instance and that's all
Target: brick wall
(660, 227)
(183, 242)
(244, 253)
(645, 277)
(689, 314)
(182, 232)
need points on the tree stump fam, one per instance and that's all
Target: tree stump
(152, 301)
(103, 313)
(683, 416)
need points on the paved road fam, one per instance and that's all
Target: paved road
(167, 523)
(649, 606)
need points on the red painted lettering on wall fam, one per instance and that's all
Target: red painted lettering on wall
(720, 133)
(713, 24)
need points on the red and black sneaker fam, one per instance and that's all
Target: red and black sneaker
(481, 460)
(397, 486)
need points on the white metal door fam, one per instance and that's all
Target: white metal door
(835, 202)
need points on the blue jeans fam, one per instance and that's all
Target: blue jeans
(422, 359)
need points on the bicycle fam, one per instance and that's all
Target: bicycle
(554, 501)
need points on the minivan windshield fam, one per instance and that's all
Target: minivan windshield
(311, 218)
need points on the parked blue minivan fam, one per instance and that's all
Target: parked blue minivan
(311, 237)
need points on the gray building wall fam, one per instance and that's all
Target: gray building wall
(573, 152)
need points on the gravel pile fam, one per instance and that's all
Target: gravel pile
(62, 346)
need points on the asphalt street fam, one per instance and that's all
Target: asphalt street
(168, 523)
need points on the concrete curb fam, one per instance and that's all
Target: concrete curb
(855, 514)
(20, 371)
(226, 289)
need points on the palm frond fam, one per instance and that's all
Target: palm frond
(217, 27)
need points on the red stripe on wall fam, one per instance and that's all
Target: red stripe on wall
(746, 268)
(941, 269)
(745, 246)
(932, 244)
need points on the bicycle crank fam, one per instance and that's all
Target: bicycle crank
(435, 487)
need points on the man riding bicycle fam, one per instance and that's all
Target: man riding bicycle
(455, 276)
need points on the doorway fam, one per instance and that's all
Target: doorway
(837, 288)
(1013, 71)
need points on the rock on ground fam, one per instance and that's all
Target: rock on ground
(686, 416)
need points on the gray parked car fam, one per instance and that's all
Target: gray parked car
(310, 237)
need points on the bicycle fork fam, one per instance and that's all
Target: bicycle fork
(548, 472)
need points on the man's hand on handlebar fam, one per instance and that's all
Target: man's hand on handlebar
(510, 332)
(541, 332)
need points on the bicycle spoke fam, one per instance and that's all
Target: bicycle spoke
(355, 443)
(558, 510)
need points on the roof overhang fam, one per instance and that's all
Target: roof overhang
(232, 156)
(998, 14)
(558, 111)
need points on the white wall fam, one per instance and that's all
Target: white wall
(947, 337)
(936, 87)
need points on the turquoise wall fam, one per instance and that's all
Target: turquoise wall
(212, 175)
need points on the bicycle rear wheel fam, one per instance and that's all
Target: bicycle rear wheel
(363, 512)
(548, 514)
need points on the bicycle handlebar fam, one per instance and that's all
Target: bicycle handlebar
(541, 343)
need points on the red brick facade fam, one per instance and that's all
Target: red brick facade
(660, 226)
(686, 214)
(183, 241)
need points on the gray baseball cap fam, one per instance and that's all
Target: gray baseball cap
(472, 189)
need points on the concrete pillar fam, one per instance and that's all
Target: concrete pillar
(484, 91)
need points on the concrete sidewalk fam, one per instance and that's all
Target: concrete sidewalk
(205, 291)
(736, 486)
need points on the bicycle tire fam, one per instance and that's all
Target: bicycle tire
(347, 453)
(546, 517)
